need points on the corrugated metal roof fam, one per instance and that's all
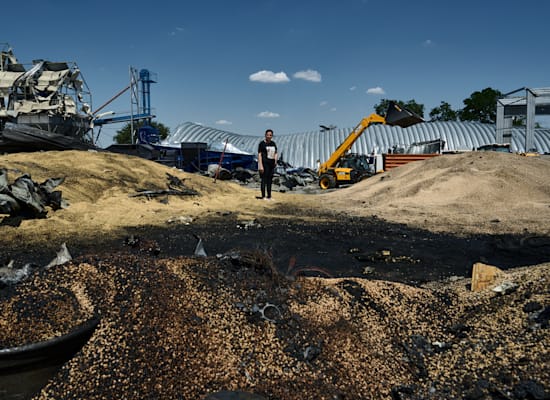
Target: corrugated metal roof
(305, 149)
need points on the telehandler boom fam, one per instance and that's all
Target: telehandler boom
(342, 168)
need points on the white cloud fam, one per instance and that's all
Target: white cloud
(269, 77)
(176, 30)
(308, 75)
(323, 103)
(268, 114)
(333, 109)
(223, 122)
(353, 88)
(428, 43)
(376, 90)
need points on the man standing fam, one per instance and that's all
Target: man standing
(267, 161)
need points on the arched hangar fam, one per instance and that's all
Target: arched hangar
(307, 148)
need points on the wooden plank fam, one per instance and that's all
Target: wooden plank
(396, 160)
(483, 276)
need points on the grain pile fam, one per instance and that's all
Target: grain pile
(183, 328)
(459, 193)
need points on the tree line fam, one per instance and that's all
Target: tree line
(481, 106)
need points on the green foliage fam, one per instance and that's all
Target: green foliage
(443, 113)
(411, 105)
(124, 136)
(481, 106)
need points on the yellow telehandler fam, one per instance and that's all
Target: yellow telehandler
(344, 168)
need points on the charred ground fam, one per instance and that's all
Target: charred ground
(338, 245)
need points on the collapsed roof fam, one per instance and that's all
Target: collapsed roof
(51, 97)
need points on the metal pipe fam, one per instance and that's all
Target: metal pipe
(111, 100)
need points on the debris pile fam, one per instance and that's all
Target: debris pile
(12, 274)
(286, 178)
(176, 187)
(44, 106)
(27, 198)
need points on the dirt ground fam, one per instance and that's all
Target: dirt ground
(431, 220)
(400, 244)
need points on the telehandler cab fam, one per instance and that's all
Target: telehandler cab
(343, 168)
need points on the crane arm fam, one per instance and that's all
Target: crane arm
(346, 145)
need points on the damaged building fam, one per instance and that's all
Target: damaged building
(307, 149)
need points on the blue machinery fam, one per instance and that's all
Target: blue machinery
(147, 133)
(140, 100)
(192, 157)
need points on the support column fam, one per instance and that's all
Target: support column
(499, 134)
(530, 122)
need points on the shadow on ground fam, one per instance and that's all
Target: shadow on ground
(348, 247)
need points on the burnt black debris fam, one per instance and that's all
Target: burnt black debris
(176, 187)
(24, 197)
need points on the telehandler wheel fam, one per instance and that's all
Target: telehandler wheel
(327, 181)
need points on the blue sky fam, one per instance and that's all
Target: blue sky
(245, 66)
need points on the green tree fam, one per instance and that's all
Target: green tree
(411, 105)
(443, 113)
(124, 136)
(481, 106)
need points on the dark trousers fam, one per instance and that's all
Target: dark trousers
(267, 179)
